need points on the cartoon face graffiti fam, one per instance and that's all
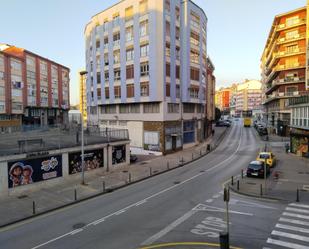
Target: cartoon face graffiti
(16, 173)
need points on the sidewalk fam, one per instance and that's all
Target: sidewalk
(17, 207)
(293, 174)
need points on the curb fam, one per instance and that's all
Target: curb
(112, 189)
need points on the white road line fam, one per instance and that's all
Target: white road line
(76, 231)
(221, 192)
(290, 235)
(52, 240)
(300, 216)
(293, 228)
(286, 244)
(140, 203)
(297, 210)
(299, 205)
(298, 222)
(120, 211)
(209, 200)
(169, 228)
(215, 196)
(98, 222)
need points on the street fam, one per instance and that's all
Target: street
(183, 205)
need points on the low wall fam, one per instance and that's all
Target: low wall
(27, 172)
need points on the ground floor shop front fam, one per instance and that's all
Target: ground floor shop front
(299, 142)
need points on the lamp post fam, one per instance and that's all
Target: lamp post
(82, 74)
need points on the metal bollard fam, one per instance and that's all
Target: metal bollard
(242, 173)
(261, 189)
(103, 186)
(224, 241)
(232, 180)
(33, 207)
(297, 195)
(237, 184)
(75, 194)
(130, 177)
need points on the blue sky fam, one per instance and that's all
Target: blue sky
(237, 31)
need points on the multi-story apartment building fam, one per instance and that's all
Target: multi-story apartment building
(210, 96)
(146, 63)
(284, 64)
(223, 99)
(83, 94)
(33, 89)
(233, 94)
(299, 132)
(248, 97)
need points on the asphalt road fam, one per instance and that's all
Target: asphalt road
(183, 205)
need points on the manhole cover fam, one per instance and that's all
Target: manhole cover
(22, 196)
(79, 225)
(176, 182)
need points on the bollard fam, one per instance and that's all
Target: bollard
(261, 189)
(297, 195)
(75, 194)
(232, 180)
(168, 165)
(237, 184)
(208, 147)
(33, 207)
(129, 177)
(224, 241)
(150, 171)
(242, 173)
(103, 186)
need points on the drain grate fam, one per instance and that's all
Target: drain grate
(79, 225)
(22, 196)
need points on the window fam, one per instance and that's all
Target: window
(177, 53)
(177, 72)
(130, 54)
(130, 72)
(145, 89)
(177, 91)
(177, 13)
(130, 91)
(97, 44)
(177, 34)
(30, 61)
(98, 77)
(167, 6)
(134, 108)
(143, 6)
(194, 38)
(194, 57)
(1, 91)
(117, 75)
(167, 28)
(144, 69)
(116, 56)
(151, 108)
(116, 20)
(2, 106)
(116, 39)
(117, 92)
(107, 92)
(129, 13)
(291, 34)
(188, 108)
(17, 106)
(99, 93)
(195, 20)
(15, 65)
(292, 20)
(98, 61)
(168, 90)
(106, 42)
(167, 50)
(106, 75)
(194, 92)
(108, 109)
(106, 61)
(292, 48)
(124, 108)
(172, 108)
(195, 74)
(144, 50)
(105, 25)
(129, 33)
(144, 28)
(188, 132)
(168, 69)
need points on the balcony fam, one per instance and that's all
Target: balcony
(284, 26)
(281, 95)
(286, 81)
(291, 39)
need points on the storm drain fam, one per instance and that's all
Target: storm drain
(79, 225)
(22, 196)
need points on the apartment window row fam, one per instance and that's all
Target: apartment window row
(172, 108)
(168, 31)
(194, 74)
(168, 51)
(168, 70)
(300, 116)
(129, 108)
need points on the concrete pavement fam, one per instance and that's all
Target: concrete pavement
(27, 204)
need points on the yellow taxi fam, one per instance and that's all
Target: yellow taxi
(269, 157)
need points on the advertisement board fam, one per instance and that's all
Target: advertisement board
(93, 160)
(27, 171)
(119, 154)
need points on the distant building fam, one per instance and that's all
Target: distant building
(83, 94)
(233, 95)
(210, 97)
(223, 98)
(146, 62)
(34, 91)
(284, 66)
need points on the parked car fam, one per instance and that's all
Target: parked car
(269, 157)
(262, 131)
(222, 123)
(133, 158)
(256, 169)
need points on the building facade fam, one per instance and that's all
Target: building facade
(284, 65)
(210, 97)
(146, 64)
(248, 97)
(299, 126)
(34, 91)
(83, 94)
(223, 99)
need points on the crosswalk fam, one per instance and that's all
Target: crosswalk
(292, 229)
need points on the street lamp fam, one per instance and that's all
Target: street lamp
(82, 73)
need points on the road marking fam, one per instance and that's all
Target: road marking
(200, 226)
(215, 196)
(249, 204)
(98, 222)
(297, 210)
(52, 240)
(186, 244)
(290, 235)
(76, 231)
(296, 215)
(293, 228)
(298, 222)
(140, 203)
(209, 200)
(169, 228)
(203, 207)
(286, 244)
(299, 205)
(120, 211)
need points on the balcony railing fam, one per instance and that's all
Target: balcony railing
(279, 95)
(286, 26)
(296, 37)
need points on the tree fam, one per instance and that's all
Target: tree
(217, 114)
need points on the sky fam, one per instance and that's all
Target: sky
(54, 29)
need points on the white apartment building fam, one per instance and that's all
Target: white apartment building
(146, 64)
